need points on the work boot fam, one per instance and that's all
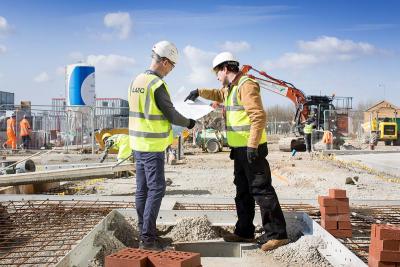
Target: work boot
(152, 245)
(273, 244)
(235, 238)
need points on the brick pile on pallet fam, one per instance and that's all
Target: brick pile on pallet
(384, 250)
(335, 213)
(132, 257)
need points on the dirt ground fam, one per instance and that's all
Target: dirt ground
(303, 176)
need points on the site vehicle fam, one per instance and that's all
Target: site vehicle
(383, 129)
(211, 140)
(327, 115)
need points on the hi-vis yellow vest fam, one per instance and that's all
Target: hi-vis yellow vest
(308, 127)
(237, 121)
(149, 130)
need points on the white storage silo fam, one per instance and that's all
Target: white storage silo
(80, 85)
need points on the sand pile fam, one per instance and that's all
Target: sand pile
(193, 229)
(303, 252)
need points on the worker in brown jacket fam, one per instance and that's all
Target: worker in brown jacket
(246, 135)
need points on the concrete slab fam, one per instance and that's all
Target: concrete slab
(388, 163)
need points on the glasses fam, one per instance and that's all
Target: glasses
(170, 62)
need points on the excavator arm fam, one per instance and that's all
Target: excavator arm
(282, 88)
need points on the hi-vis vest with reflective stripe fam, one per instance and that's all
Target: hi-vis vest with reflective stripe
(149, 130)
(237, 121)
(308, 128)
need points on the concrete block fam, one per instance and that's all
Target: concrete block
(329, 210)
(337, 218)
(385, 232)
(372, 262)
(332, 225)
(326, 201)
(337, 193)
(172, 258)
(129, 257)
(388, 256)
(343, 209)
(344, 225)
(385, 245)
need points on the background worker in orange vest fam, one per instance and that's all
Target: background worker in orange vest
(327, 139)
(25, 129)
(11, 136)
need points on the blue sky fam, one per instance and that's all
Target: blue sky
(350, 48)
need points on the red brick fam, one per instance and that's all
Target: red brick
(329, 224)
(343, 209)
(332, 202)
(385, 232)
(389, 256)
(337, 193)
(337, 218)
(328, 210)
(340, 233)
(172, 258)
(129, 257)
(372, 262)
(385, 245)
(344, 225)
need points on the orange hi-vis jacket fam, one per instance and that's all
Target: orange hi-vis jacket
(328, 137)
(11, 127)
(25, 127)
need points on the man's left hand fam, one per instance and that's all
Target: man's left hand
(252, 154)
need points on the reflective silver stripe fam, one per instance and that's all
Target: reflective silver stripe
(234, 108)
(238, 128)
(235, 92)
(144, 116)
(147, 103)
(148, 135)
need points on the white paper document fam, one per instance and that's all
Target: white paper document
(193, 110)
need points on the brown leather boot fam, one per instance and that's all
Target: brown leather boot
(273, 244)
(235, 238)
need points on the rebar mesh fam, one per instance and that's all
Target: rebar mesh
(42, 232)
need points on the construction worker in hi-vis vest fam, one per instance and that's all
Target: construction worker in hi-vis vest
(151, 114)
(245, 128)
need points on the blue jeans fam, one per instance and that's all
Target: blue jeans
(150, 189)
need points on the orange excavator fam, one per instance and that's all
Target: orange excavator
(319, 107)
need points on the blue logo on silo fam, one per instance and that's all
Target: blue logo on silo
(77, 78)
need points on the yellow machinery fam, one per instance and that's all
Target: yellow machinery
(383, 129)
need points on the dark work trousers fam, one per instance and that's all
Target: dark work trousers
(307, 140)
(253, 183)
(150, 189)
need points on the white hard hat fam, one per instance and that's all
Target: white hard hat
(224, 57)
(166, 49)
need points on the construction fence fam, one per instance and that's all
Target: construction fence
(63, 126)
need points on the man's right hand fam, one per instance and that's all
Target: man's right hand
(193, 95)
(192, 123)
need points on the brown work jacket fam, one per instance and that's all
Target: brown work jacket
(249, 94)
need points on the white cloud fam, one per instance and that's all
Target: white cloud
(235, 47)
(3, 49)
(324, 49)
(42, 77)
(111, 63)
(60, 70)
(76, 56)
(4, 26)
(120, 22)
(333, 45)
(199, 63)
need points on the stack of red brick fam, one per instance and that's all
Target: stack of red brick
(335, 213)
(131, 257)
(384, 250)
